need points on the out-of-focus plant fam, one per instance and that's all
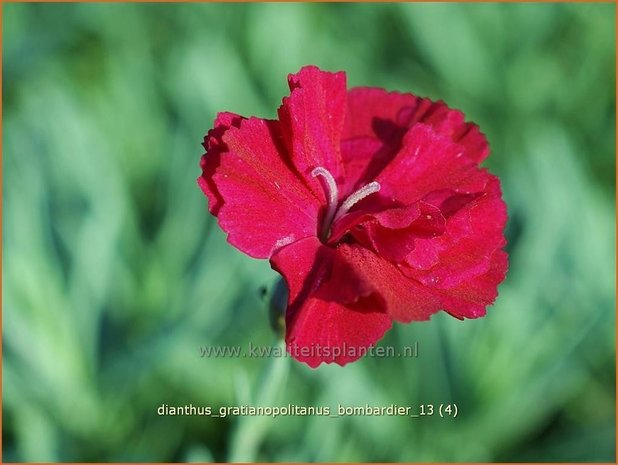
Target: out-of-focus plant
(114, 275)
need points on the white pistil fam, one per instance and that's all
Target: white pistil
(356, 197)
(332, 193)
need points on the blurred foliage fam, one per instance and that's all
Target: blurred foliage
(115, 275)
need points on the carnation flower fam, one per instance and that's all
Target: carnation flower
(370, 204)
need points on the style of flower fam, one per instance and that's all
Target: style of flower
(370, 204)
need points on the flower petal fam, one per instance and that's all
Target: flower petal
(473, 233)
(464, 265)
(427, 162)
(312, 120)
(471, 298)
(390, 231)
(377, 120)
(393, 238)
(258, 200)
(214, 145)
(319, 327)
(404, 299)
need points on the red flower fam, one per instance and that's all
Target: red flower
(370, 204)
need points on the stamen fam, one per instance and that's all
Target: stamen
(332, 197)
(357, 196)
(332, 194)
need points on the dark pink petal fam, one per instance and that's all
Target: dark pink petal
(390, 232)
(361, 157)
(372, 132)
(258, 200)
(322, 331)
(319, 327)
(377, 114)
(394, 238)
(451, 123)
(473, 233)
(312, 120)
(404, 299)
(214, 145)
(464, 265)
(471, 298)
(377, 120)
(427, 162)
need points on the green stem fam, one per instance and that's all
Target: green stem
(251, 430)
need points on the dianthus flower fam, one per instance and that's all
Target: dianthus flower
(370, 204)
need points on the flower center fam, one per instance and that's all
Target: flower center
(334, 211)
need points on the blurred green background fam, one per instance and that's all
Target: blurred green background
(114, 274)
